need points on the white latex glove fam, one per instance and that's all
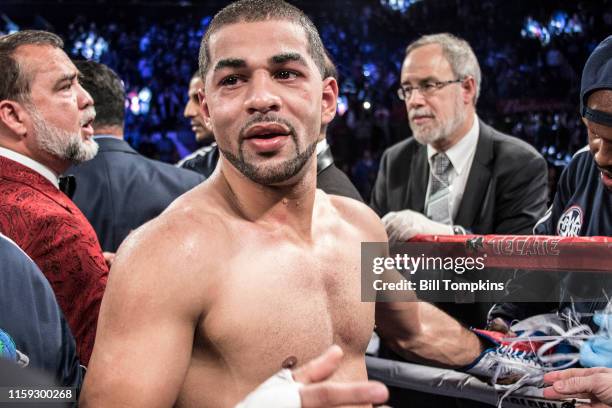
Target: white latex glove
(405, 224)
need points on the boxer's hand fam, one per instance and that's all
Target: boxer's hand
(317, 392)
(109, 257)
(597, 352)
(305, 387)
(405, 224)
(592, 383)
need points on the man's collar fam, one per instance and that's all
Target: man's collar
(321, 145)
(32, 164)
(461, 153)
(107, 137)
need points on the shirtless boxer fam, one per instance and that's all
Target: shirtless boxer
(255, 269)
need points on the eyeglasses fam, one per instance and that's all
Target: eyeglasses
(426, 89)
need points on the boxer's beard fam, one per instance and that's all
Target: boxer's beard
(437, 130)
(63, 144)
(270, 174)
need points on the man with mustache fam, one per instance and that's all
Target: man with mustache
(255, 269)
(204, 160)
(456, 173)
(45, 126)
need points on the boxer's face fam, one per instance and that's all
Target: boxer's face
(192, 112)
(60, 110)
(265, 99)
(600, 136)
(439, 115)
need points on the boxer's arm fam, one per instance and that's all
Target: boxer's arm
(146, 325)
(415, 330)
(418, 331)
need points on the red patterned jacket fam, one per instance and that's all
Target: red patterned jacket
(54, 233)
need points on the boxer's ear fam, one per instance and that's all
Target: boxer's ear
(329, 100)
(14, 117)
(203, 104)
(204, 111)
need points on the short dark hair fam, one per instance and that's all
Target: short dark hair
(15, 83)
(107, 91)
(261, 10)
(330, 67)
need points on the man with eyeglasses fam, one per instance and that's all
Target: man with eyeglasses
(456, 174)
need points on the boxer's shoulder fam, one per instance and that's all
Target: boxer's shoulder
(185, 239)
(360, 216)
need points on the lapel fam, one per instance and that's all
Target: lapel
(18, 173)
(478, 179)
(414, 196)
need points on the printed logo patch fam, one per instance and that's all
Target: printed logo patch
(570, 222)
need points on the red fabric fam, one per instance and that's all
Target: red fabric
(498, 337)
(54, 233)
(533, 252)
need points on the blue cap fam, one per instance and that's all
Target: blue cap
(597, 74)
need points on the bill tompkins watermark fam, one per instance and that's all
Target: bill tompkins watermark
(406, 264)
(480, 269)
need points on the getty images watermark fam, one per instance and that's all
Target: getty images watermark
(480, 269)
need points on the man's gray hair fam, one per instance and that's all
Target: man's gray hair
(458, 53)
(16, 80)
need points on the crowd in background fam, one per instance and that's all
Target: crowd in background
(530, 85)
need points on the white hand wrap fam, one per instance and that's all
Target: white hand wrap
(278, 391)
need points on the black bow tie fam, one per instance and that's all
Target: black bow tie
(67, 185)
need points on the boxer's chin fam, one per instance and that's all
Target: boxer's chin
(272, 172)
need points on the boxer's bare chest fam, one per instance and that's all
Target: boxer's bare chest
(279, 302)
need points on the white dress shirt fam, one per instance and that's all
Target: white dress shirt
(32, 164)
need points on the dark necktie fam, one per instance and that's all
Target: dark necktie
(438, 201)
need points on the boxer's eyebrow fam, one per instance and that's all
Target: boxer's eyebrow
(230, 63)
(283, 58)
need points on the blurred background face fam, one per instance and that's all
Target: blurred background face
(440, 114)
(600, 136)
(203, 133)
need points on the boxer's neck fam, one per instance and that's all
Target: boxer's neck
(290, 205)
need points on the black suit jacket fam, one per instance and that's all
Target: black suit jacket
(505, 192)
(119, 190)
(331, 179)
